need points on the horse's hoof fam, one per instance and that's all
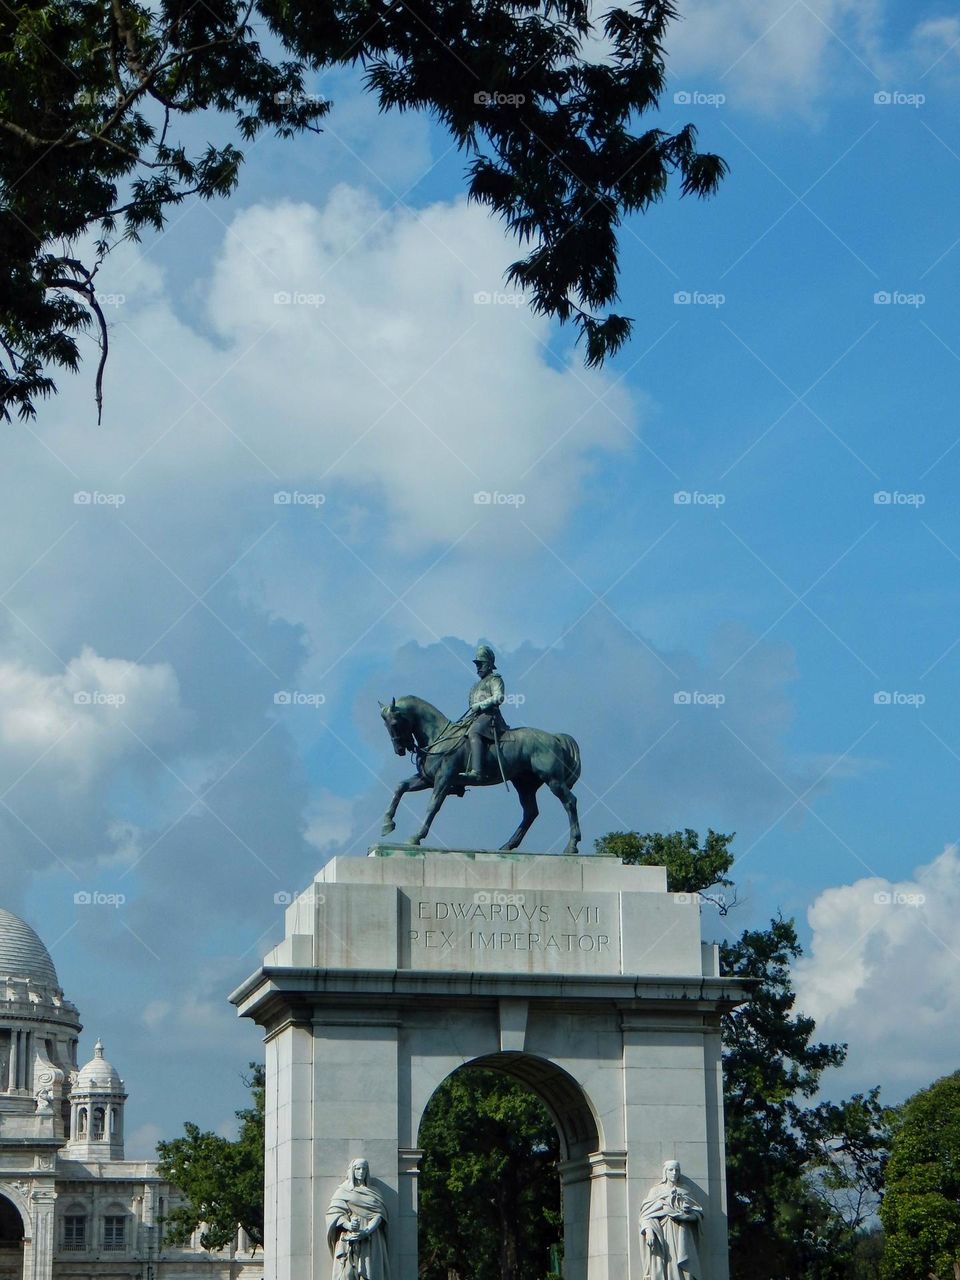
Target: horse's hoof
(414, 839)
(387, 828)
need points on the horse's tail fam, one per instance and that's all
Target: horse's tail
(570, 755)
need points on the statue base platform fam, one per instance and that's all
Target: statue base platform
(580, 976)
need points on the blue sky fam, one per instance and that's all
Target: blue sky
(784, 396)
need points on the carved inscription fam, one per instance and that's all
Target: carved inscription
(507, 922)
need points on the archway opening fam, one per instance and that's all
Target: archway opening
(499, 1138)
(11, 1240)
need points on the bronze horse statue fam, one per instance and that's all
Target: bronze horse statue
(529, 758)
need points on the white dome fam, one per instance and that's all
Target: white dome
(98, 1076)
(22, 954)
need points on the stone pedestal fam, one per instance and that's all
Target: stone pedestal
(579, 976)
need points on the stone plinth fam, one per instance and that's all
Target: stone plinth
(579, 976)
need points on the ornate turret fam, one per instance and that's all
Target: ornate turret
(97, 1097)
(38, 1035)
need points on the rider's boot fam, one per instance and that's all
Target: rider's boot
(475, 772)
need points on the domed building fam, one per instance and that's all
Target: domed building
(71, 1206)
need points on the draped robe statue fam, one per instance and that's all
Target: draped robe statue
(357, 1228)
(669, 1225)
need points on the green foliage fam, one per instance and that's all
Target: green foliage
(691, 867)
(221, 1181)
(801, 1179)
(94, 94)
(489, 1187)
(921, 1208)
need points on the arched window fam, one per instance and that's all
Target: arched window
(98, 1123)
(82, 1122)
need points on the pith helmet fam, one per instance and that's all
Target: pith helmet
(485, 654)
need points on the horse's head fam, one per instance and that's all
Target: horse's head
(399, 728)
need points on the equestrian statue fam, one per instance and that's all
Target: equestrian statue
(481, 750)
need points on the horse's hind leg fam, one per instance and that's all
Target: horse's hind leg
(527, 789)
(569, 802)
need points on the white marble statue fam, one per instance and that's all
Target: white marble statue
(357, 1228)
(669, 1225)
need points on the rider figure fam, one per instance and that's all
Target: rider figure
(486, 720)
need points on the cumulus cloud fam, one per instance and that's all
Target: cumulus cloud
(883, 974)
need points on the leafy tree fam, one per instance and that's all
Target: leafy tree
(691, 867)
(802, 1179)
(97, 96)
(221, 1180)
(921, 1208)
(489, 1195)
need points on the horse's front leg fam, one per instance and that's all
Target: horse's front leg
(416, 783)
(441, 789)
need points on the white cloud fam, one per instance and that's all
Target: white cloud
(71, 726)
(781, 56)
(883, 974)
